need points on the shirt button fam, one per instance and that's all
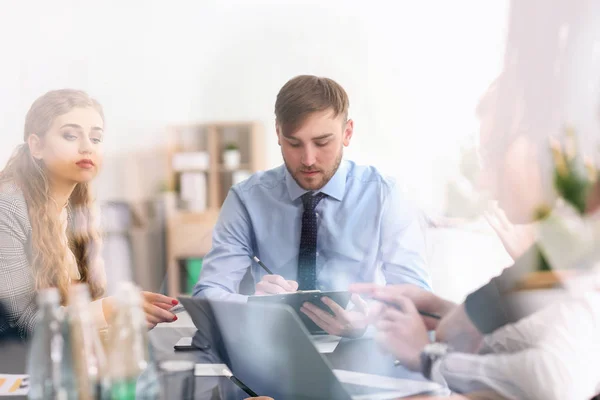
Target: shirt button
(317, 254)
(317, 215)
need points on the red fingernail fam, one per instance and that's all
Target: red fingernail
(175, 302)
(175, 318)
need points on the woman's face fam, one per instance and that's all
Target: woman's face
(72, 149)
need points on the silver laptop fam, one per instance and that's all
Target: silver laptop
(268, 348)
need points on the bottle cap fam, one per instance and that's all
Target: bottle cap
(48, 296)
(128, 293)
(79, 292)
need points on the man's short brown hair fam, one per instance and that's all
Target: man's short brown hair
(307, 94)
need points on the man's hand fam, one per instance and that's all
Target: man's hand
(275, 284)
(455, 327)
(348, 323)
(402, 331)
(457, 330)
(423, 299)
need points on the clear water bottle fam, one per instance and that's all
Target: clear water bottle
(84, 371)
(46, 351)
(128, 347)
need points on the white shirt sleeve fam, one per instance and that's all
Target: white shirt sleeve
(550, 355)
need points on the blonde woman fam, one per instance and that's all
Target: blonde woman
(48, 233)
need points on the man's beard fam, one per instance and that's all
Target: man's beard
(326, 175)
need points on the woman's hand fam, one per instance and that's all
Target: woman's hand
(515, 238)
(156, 307)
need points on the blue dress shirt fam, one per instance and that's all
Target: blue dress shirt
(367, 232)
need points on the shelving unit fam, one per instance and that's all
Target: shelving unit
(189, 231)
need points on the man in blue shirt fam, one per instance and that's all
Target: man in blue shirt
(317, 222)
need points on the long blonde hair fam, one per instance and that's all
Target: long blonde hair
(48, 251)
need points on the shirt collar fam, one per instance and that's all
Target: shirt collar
(335, 188)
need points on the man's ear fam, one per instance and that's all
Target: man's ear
(278, 132)
(348, 131)
(35, 146)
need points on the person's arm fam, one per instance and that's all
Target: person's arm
(231, 254)
(544, 356)
(17, 285)
(97, 312)
(488, 307)
(533, 373)
(528, 374)
(402, 249)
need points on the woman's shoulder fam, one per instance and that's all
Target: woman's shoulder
(12, 202)
(11, 194)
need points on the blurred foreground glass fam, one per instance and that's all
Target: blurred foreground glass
(128, 356)
(45, 355)
(176, 379)
(85, 362)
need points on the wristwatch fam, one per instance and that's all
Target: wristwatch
(430, 354)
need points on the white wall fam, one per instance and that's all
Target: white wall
(414, 70)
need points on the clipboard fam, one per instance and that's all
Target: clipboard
(296, 299)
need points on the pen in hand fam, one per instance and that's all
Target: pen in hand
(262, 265)
(430, 315)
(239, 383)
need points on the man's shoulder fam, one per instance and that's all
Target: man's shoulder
(263, 179)
(368, 174)
(367, 180)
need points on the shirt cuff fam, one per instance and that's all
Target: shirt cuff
(436, 373)
(98, 314)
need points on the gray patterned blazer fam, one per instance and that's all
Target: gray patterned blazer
(17, 286)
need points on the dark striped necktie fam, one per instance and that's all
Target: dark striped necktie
(307, 256)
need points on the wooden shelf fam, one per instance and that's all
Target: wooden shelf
(544, 279)
(224, 124)
(189, 234)
(195, 217)
(183, 170)
(241, 167)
